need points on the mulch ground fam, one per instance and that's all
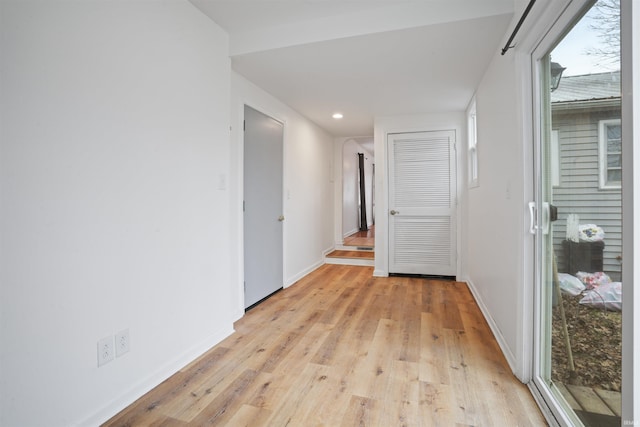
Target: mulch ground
(596, 341)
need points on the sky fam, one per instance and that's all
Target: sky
(570, 53)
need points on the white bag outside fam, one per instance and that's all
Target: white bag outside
(570, 284)
(607, 296)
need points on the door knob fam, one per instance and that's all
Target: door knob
(281, 218)
(393, 212)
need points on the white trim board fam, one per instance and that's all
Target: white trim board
(293, 279)
(349, 261)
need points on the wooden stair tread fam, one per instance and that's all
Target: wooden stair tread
(351, 254)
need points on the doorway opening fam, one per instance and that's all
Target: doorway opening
(358, 175)
(356, 241)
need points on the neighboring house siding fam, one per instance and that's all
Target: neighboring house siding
(579, 191)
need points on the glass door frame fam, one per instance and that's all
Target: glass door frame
(548, 395)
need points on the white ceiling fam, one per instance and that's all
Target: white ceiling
(364, 58)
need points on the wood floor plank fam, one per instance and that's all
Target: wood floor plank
(434, 359)
(348, 320)
(166, 422)
(220, 409)
(435, 404)
(428, 297)
(275, 386)
(470, 407)
(361, 412)
(412, 322)
(153, 404)
(343, 348)
(206, 388)
(449, 309)
(365, 325)
(348, 343)
(249, 416)
(402, 394)
(279, 346)
(373, 371)
(486, 352)
(305, 386)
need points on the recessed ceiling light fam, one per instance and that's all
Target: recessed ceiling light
(337, 115)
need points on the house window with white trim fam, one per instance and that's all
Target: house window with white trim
(472, 153)
(610, 153)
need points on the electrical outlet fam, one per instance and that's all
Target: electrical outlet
(106, 350)
(122, 342)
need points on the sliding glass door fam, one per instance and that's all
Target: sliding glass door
(577, 218)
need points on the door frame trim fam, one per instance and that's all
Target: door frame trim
(537, 26)
(560, 16)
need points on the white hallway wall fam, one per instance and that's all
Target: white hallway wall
(115, 130)
(498, 258)
(308, 185)
(495, 215)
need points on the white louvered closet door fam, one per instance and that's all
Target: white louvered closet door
(422, 203)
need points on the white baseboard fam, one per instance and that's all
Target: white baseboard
(239, 314)
(290, 281)
(380, 273)
(147, 384)
(506, 351)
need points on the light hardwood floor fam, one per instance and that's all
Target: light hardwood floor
(362, 238)
(341, 348)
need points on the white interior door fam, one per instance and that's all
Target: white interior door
(263, 217)
(422, 203)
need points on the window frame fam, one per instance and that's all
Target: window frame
(603, 152)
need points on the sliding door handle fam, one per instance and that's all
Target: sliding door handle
(532, 217)
(546, 219)
(393, 212)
